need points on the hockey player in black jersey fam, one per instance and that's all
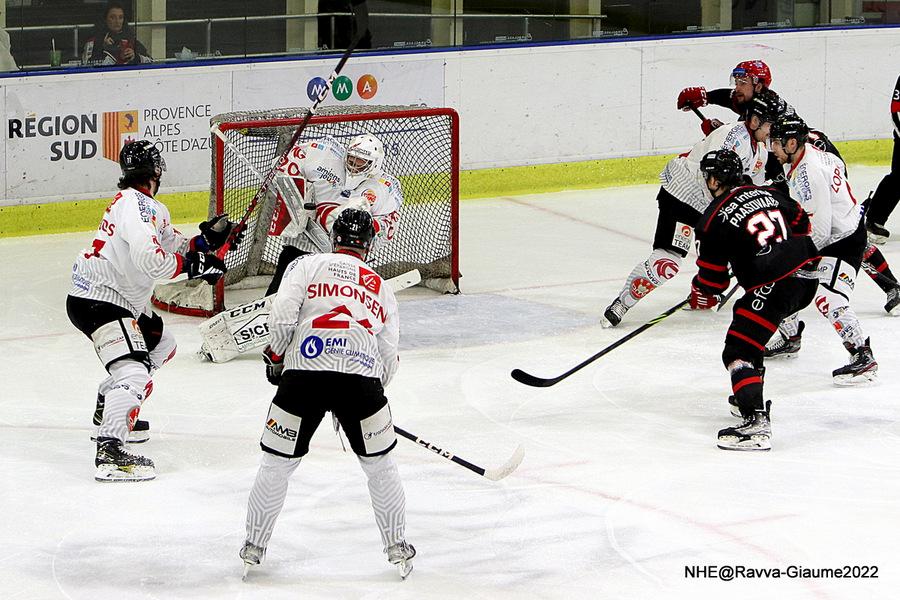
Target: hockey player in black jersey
(763, 237)
(887, 194)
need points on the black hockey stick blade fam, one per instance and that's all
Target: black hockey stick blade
(493, 474)
(534, 381)
(723, 300)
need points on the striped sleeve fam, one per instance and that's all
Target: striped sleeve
(146, 252)
(285, 314)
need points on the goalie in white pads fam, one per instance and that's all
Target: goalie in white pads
(335, 333)
(313, 173)
(109, 301)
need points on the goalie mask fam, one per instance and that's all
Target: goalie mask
(141, 160)
(353, 229)
(365, 156)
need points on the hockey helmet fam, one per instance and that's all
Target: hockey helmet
(724, 165)
(140, 159)
(365, 156)
(755, 70)
(789, 127)
(353, 228)
(766, 105)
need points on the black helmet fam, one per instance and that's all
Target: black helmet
(789, 127)
(724, 165)
(353, 229)
(141, 160)
(766, 105)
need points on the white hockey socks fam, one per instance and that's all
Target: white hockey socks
(388, 499)
(836, 282)
(661, 266)
(130, 382)
(267, 497)
(790, 326)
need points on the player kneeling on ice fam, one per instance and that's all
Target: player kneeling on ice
(334, 332)
(763, 236)
(109, 301)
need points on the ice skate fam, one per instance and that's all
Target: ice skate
(892, 307)
(752, 435)
(138, 435)
(734, 408)
(862, 368)
(876, 233)
(613, 314)
(115, 463)
(401, 554)
(252, 555)
(785, 347)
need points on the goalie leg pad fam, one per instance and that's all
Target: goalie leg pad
(236, 330)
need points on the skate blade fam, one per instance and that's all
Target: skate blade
(404, 568)
(787, 355)
(112, 473)
(875, 238)
(865, 378)
(606, 323)
(751, 444)
(247, 567)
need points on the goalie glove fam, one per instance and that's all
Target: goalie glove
(692, 97)
(700, 300)
(208, 267)
(215, 232)
(274, 365)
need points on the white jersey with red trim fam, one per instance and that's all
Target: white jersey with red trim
(681, 177)
(135, 246)
(818, 183)
(381, 195)
(334, 313)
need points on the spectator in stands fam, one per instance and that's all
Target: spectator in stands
(113, 41)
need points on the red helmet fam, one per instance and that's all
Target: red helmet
(756, 70)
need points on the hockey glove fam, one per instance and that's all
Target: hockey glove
(692, 97)
(274, 365)
(700, 300)
(710, 125)
(208, 267)
(214, 233)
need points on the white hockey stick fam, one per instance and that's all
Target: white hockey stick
(238, 330)
(493, 474)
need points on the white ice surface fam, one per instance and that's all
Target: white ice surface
(621, 486)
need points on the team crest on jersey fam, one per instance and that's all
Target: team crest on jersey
(640, 287)
(369, 280)
(665, 268)
(370, 196)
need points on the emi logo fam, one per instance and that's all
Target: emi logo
(312, 346)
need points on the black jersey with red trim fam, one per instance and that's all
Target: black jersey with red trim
(760, 232)
(895, 107)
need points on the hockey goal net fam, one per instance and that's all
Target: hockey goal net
(422, 151)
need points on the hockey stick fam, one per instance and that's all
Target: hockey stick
(698, 113)
(528, 379)
(492, 474)
(723, 300)
(270, 176)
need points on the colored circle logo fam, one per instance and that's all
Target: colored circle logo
(367, 87)
(315, 87)
(312, 346)
(342, 88)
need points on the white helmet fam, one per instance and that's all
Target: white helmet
(365, 156)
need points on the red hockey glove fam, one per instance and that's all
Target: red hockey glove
(274, 365)
(692, 97)
(710, 125)
(700, 300)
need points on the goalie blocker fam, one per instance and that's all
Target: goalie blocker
(242, 328)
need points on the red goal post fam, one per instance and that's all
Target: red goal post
(422, 151)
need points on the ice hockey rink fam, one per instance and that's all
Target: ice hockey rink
(622, 486)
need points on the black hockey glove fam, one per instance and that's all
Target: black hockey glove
(208, 267)
(274, 365)
(214, 233)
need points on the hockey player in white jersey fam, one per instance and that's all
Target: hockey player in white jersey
(332, 178)
(817, 180)
(682, 199)
(109, 301)
(334, 336)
